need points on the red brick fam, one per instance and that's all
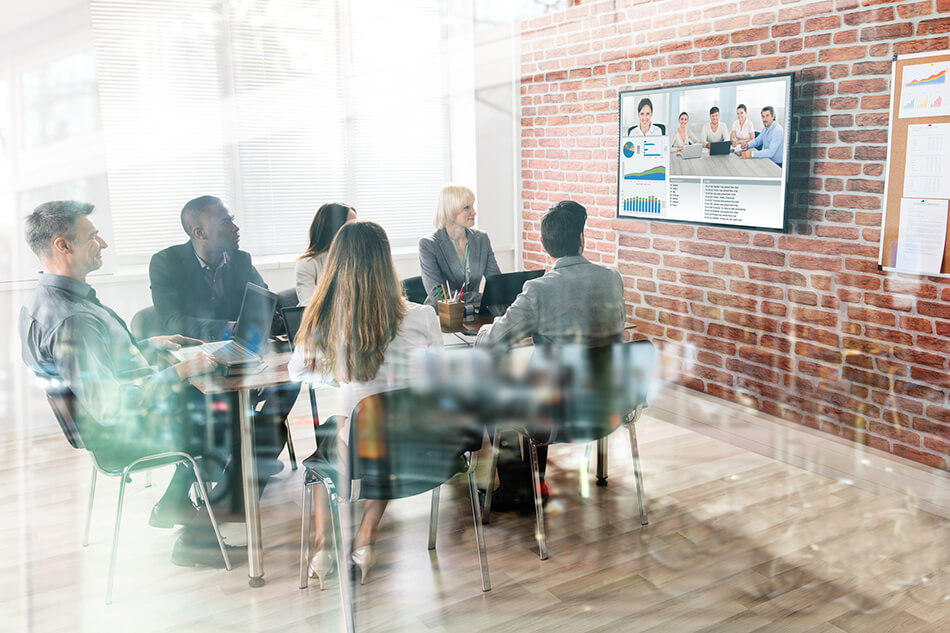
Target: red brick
(785, 277)
(921, 46)
(896, 31)
(732, 301)
(920, 456)
(704, 281)
(929, 27)
(759, 290)
(938, 310)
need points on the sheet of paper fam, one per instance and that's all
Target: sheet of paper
(922, 235)
(925, 91)
(927, 166)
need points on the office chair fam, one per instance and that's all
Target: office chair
(292, 316)
(66, 410)
(401, 444)
(413, 289)
(589, 393)
(286, 298)
(145, 323)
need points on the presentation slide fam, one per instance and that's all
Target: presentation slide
(712, 153)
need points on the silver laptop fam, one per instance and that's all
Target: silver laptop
(694, 150)
(251, 331)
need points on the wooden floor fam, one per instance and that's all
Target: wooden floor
(754, 526)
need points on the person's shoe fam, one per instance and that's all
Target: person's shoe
(321, 566)
(186, 554)
(167, 513)
(364, 558)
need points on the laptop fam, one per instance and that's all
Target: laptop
(719, 148)
(251, 331)
(501, 290)
(292, 318)
(694, 150)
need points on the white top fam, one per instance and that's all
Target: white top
(653, 131)
(745, 132)
(720, 134)
(420, 328)
(308, 271)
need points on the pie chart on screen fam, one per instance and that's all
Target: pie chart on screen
(629, 149)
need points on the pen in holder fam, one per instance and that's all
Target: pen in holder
(450, 313)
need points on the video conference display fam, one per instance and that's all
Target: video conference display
(712, 153)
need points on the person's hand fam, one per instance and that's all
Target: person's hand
(747, 154)
(172, 342)
(200, 363)
(744, 144)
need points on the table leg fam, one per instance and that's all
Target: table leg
(252, 509)
(602, 461)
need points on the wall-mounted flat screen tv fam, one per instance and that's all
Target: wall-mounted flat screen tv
(711, 153)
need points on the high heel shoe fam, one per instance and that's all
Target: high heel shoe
(321, 565)
(364, 558)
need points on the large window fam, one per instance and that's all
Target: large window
(275, 105)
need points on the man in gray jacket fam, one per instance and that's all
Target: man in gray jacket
(574, 302)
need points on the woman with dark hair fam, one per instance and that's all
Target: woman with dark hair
(327, 221)
(645, 115)
(683, 136)
(358, 330)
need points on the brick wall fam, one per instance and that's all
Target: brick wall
(799, 325)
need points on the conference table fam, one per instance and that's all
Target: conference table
(273, 372)
(724, 165)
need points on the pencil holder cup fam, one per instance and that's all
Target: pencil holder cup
(450, 314)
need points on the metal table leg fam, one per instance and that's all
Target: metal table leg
(602, 461)
(252, 509)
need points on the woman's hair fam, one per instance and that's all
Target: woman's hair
(742, 107)
(682, 114)
(645, 102)
(326, 222)
(356, 308)
(452, 198)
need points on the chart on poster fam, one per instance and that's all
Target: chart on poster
(916, 220)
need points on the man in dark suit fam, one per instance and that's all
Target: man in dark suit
(197, 289)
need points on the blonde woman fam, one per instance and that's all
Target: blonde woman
(456, 253)
(326, 222)
(358, 330)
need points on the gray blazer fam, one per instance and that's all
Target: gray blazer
(574, 302)
(440, 263)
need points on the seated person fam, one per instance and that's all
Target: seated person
(131, 407)
(327, 221)
(198, 288)
(456, 254)
(770, 143)
(574, 302)
(742, 129)
(683, 136)
(714, 132)
(360, 298)
(645, 114)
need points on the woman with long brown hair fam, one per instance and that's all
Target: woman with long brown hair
(326, 222)
(358, 330)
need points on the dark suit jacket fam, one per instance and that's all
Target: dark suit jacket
(182, 298)
(439, 262)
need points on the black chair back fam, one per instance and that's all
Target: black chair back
(145, 323)
(404, 443)
(414, 290)
(63, 403)
(584, 393)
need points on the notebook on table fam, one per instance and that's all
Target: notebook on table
(250, 332)
(501, 290)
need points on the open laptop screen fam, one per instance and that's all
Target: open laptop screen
(501, 290)
(257, 314)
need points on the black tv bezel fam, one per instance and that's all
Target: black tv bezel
(785, 168)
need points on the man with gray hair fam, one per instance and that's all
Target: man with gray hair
(128, 408)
